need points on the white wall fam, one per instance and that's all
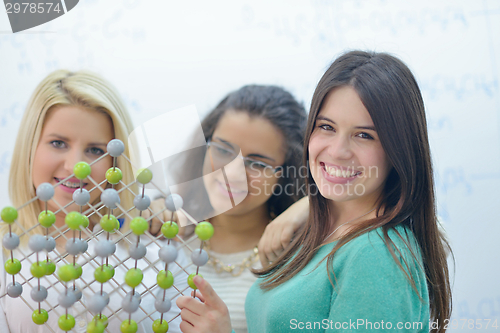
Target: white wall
(163, 55)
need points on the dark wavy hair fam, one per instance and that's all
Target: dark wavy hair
(288, 116)
(392, 97)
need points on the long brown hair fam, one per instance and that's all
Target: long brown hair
(392, 97)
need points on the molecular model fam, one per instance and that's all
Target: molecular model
(106, 272)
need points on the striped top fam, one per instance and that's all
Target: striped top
(232, 290)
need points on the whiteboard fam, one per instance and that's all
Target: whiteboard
(163, 55)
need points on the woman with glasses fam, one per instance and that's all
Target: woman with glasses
(250, 171)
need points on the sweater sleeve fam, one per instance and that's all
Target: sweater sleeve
(372, 293)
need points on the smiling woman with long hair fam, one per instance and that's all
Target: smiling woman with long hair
(371, 252)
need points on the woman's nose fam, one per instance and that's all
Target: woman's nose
(340, 148)
(235, 171)
(72, 157)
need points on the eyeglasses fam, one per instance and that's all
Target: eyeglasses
(222, 155)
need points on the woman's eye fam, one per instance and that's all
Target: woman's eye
(326, 127)
(58, 144)
(256, 165)
(96, 151)
(223, 151)
(364, 135)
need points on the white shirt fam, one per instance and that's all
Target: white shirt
(231, 289)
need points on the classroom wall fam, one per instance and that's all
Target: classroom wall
(163, 55)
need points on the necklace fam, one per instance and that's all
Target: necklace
(348, 222)
(234, 270)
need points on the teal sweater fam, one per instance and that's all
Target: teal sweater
(371, 294)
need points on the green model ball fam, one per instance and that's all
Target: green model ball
(110, 223)
(204, 230)
(95, 327)
(128, 326)
(82, 170)
(191, 282)
(144, 175)
(74, 220)
(104, 273)
(102, 318)
(78, 270)
(169, 229)
(66, 273)
(9, 214)
(114, 175)
(40, 317)
(12, 266)
(85, 221)
(139, 225)
(133, 277)
(47, 218)
(164, 279)
(38, 269)
(51, 267)
(160, 326)
(66, 322)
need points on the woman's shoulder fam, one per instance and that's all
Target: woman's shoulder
(400, 236)
(375, 247)
(373, 275)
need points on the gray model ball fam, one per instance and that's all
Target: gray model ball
(73, 246)
(66, 300)
(37, 243)
(142, 203)
(77, 292)
(115, 147)
(174, 202)
(45, 191)
(168, 253)
(97, 302)
(137, 251)
(161, 305)
(105, 248)
(50, 244)
(14, 290)
(199, 258)
(110, 198)
(130, 303)
(106, 297)
(81, 197)
(83, 246)
(39, 295)
(10, 241)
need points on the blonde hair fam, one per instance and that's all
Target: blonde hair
(62, 87)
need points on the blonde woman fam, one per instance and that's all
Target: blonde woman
(70, 117)
(61, 88)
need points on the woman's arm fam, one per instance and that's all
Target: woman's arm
(279, 232)
(372, 293)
